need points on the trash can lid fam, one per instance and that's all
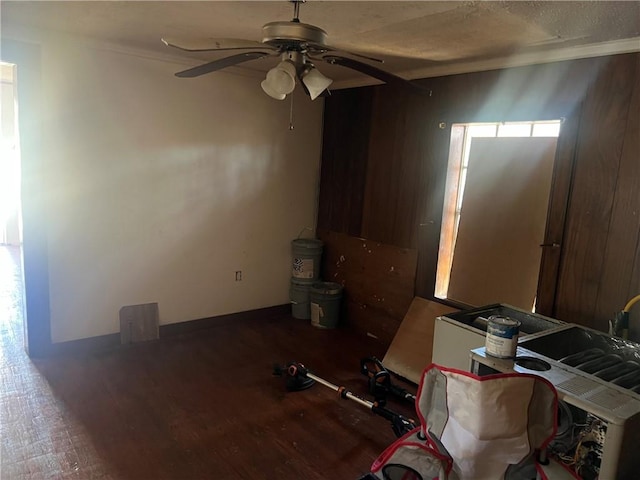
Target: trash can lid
(307, 243)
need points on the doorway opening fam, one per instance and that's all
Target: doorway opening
(497, 193)
(10, 212)
(11, 276)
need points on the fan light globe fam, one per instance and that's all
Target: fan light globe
(280, 80)
(272, 93)
(315, 82)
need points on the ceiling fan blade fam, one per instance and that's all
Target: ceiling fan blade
(220, 64)
(214, 44)
(374, 72)
(373, 59)
(353, 54)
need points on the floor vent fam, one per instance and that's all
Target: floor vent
(139, 323)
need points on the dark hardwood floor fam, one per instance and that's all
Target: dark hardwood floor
(197, 406)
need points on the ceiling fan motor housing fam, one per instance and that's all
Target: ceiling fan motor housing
(293, 35)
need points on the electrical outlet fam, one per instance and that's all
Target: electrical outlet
(238, 275)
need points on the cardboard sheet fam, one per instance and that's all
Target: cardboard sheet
(411, 348)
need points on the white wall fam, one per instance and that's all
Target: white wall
(158, 188)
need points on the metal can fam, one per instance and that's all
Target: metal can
(502, 336)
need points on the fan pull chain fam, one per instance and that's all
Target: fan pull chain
(291, 113)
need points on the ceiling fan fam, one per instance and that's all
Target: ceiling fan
(298, 45)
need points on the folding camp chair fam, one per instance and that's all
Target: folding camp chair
(474, 428)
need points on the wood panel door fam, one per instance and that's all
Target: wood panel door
(502, 221)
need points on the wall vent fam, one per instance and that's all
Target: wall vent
(578, 385)
(139, 323)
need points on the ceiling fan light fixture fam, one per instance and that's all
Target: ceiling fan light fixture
(296, 43)
(315, 82)
(280, 80)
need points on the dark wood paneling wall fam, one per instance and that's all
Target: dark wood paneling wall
(602, 222)
(397, 144)
(557, 214)
(385, 158)
(342, 182)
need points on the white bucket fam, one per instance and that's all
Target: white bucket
(325, 298)
(307, 253)
(299, 296)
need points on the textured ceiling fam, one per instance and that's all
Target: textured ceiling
(414, 38)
